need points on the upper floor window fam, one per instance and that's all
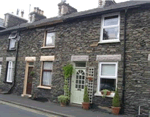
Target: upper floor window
(49, 39)
(12, 41)
(110, 30)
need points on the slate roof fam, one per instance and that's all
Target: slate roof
(53, 20)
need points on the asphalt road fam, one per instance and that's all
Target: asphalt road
(9, 111)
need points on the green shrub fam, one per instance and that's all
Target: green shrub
(63, 99)
(86, 97)
(68, 70)
(116, 100)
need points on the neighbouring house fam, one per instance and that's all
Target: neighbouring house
(1, 24)
(109, 44)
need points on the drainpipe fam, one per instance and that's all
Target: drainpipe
(124, 63)
(15, 70)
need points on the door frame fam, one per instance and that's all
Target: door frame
(74, 75)
(26, 79)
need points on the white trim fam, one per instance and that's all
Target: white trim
(98, 93)
(102, 26)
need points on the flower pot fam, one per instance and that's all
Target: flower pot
(86, 105)
(90, 79)
(108, 92)
(63, 104)
(115, 110)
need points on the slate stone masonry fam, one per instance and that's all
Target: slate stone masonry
(81, 37)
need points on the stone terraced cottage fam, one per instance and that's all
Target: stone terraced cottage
(109, 44)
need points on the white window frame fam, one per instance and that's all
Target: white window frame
(10, 74)
(49, 71)
(98, 93)
(112, 26)
(53, 41)
(10, 44)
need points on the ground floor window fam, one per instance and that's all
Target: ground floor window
(10, 71)
(108, 75)
(46, 73)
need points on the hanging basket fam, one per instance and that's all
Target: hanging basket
(90, 78)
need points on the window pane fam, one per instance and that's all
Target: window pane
(10, 71)
(80, 64)
(48, 65)
(50, 39)
(47, 76)
(113, 20)
(109, 84)
(12, 44)
(31, 63)
(110, 33)
(108, 69)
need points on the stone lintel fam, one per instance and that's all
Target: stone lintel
(30, 59)
(79, 58)
(10, 58)
(47, 58)
(108, 57)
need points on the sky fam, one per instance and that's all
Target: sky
(50, 7)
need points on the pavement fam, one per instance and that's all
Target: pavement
(9, 111)
(54, 108)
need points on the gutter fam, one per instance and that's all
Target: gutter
(124, 63)
(15, 70)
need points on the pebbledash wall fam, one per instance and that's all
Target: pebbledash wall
(81, 37)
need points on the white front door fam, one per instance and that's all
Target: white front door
(77, 86)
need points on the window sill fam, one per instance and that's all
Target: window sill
(44, 87)
(109, 96)
(7, 82)
(47, 47)
(103, 42)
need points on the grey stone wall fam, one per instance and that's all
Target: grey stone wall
(80, 37)
(138, 66)
(72, 38)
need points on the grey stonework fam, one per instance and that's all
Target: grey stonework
(81, 37)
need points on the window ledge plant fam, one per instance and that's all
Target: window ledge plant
(105, 92)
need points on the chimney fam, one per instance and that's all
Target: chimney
(65, 9)
(105, 3)
(36, 15)
(13, 20)
(22, 13)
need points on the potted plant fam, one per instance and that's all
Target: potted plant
(86, 102)
(63, 100)
(105, 92)
(116, 103)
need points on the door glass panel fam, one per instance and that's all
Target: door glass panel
(80, 64)
(80, 76)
